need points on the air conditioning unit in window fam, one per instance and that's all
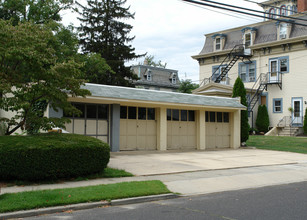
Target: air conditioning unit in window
(283, 36)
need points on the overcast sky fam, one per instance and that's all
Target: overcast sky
(173, 30)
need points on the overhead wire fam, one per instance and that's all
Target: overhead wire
(253, 10)
(233, 10)
(235, 16)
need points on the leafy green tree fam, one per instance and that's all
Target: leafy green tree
(37, 11)
(150, 61)
(262, 120)
(95, 68)
(31, 73)
(240, 91)
(305, 122)
(103, 31)
(186, 86)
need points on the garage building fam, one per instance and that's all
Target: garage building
(139, 119)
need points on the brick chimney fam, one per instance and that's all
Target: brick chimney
(301, 6)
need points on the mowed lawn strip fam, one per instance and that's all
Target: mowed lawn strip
(290, 144)
(47, 198)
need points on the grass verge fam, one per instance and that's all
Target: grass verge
(47, 198)
(290, 144)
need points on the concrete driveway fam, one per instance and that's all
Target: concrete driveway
(142, 163)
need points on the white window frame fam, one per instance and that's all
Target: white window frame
(248, 71)
(282, 31)
(218, 43)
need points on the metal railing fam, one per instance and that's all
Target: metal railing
(288, 121)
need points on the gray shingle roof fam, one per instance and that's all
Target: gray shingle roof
(126, 93)
(160, 76)
(266, 32)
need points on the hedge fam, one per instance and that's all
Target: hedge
(51, 156)
(262, 121)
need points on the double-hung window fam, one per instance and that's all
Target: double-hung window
(277, 105)
(217, 43)
(247, 71)
(247, 40)
(216, 71)
(283, 31)
(279, 64)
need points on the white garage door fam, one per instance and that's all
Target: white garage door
(138, 128)
(217, 130)
(181, 129)
(93, 121)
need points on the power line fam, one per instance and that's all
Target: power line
(246, 13)
(253, 10)
(235, 16)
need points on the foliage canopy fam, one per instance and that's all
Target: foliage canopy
(32, 71)
(186, 86)
(262, 121)
(240, 91)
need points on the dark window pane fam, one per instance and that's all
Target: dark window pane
(151, 114)
(226, 117)
(175, 115)
(184, 115)
(191, 115)
(207, 116)
(80, 107)
(103, 111)
(142, 113)
(131, 112)
(91, 111)
(169, 114)
(123, 112)
(219, 117)
(212, 116)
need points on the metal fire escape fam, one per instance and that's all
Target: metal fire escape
(237, 52)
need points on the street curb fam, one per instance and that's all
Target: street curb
(81, 206)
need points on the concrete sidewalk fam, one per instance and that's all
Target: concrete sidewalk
(200, 172)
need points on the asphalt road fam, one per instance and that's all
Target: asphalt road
(274, 202)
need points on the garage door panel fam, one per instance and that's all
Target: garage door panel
(141, 142)
(151, 128)
(183, 128)
(211, 129)
(211, 142)
(191, 142)
(141, 127)
(123, 127)
(131, 127)
(191, 128)
(175, 142)
(102, 127)
(123, 142)
(169, 128)
(91, 127)
(68, 126)
(151, 143)
(79, 125)
(226, 141)
(175, 128)
(131, 142)
(103, 138)
(184, 141)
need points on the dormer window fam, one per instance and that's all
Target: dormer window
(217, 43)
(148, 75)
(283, 31)
(247, 39)
(173, 78)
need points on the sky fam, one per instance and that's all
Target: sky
(173, 31)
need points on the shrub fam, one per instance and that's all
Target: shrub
(305, 122)
(240, 91)
(262, 121)
(51, 156)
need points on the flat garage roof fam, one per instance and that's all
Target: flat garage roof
(118, 92)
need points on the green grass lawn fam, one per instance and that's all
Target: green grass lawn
(46, 198)
(291, 144)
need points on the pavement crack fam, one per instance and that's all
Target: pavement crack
(195, 210)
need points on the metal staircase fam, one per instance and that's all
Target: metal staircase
(259, 86)
(237, 52)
